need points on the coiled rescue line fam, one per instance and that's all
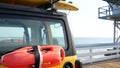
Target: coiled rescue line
(34, 57)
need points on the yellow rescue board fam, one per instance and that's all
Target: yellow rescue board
(26, 2)
(60, 5)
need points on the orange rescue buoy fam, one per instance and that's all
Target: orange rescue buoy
(52, 55)
(25, 57)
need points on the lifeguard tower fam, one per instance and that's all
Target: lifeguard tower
(112, 12)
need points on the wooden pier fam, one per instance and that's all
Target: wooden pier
(104, 56)
(114, 63)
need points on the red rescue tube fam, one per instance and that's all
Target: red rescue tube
(25, 58)
(52, 55)
(19, 58)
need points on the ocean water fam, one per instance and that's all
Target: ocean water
(81, 41)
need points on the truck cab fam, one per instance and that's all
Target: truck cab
(22, 26)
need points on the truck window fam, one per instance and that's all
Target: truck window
(58, 34)
(16, 33)
(53, 33)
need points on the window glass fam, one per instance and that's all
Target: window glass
(15, 33)
(12, 34)
(53, 33)
(58, 34)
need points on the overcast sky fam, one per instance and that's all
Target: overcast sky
(85, 22)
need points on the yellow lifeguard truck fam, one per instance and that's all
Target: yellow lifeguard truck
(37, 22)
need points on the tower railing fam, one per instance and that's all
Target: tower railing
(104, 11)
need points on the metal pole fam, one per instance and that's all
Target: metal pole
(114, 35)
(91, 56)
(109, 10)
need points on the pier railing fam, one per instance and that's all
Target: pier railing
(92, 54)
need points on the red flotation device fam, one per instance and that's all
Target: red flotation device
(54, 56)
(25, 57)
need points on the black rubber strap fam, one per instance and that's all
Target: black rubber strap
(37, 56)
